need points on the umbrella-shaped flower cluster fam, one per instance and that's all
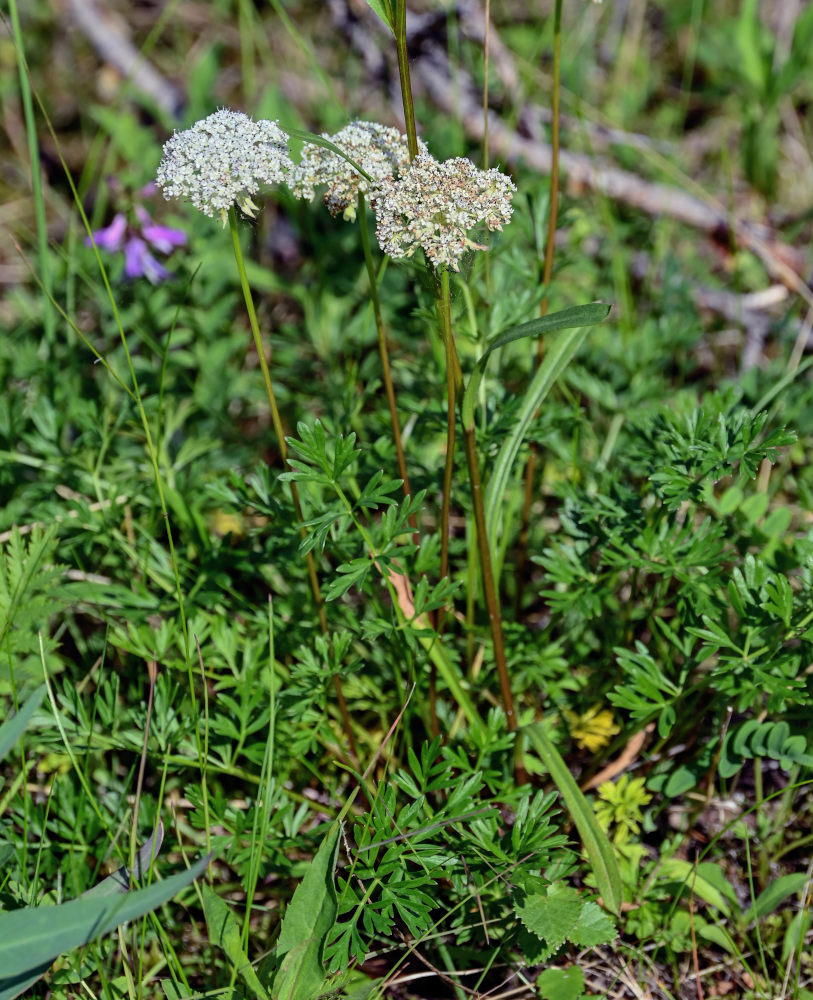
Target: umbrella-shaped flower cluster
(224, 160)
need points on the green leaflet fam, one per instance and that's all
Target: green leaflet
(559, 913)
(561, 984)
(599, 850)
(771, 897)
(320, 140)
(383, 10)
(308, 921)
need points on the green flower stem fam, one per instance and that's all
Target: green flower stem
(283, 449)
(553, 211)
(492, 604)
(43, 250)
(483, 548)
(403, 75)
(445, 316)
(383, 348)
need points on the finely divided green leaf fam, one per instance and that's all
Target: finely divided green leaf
(305, 928)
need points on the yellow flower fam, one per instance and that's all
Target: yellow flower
(594, 729)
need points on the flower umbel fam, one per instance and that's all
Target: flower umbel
(382, 152)
(433, 205)
(222, 161)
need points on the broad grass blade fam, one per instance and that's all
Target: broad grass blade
(12, 730)
(224, 931)
(599, 850)
(33, 937)
(558, 356)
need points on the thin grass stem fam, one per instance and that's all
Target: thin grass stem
(43, 250)
(553, 211)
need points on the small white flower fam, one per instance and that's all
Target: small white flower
(222, 161)
(382, 152)
(433, 205)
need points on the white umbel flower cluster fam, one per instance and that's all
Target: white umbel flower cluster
(434, 205)
(222, 161)
(382, 152)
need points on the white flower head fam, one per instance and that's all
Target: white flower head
(222, 161)
(382, 152)
(433, 205)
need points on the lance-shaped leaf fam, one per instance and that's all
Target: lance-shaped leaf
(306, 926)
(12, 730)
(33, 937)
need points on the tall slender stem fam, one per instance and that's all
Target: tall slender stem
(445, 316)
(283, 450)
(403, 75)
(553, 212)
(383, 347)
(453, 363)
(486, 37)
(43, 250)
(483, 548)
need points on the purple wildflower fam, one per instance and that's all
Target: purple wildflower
(137, 241)
(140, 263)
(110, 237)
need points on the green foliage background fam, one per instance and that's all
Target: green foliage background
(670, 545)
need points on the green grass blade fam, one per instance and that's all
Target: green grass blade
(600, 853)
(33, 937)
(120, 880)
(558, 357)
(565, 319)
(12, 730)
